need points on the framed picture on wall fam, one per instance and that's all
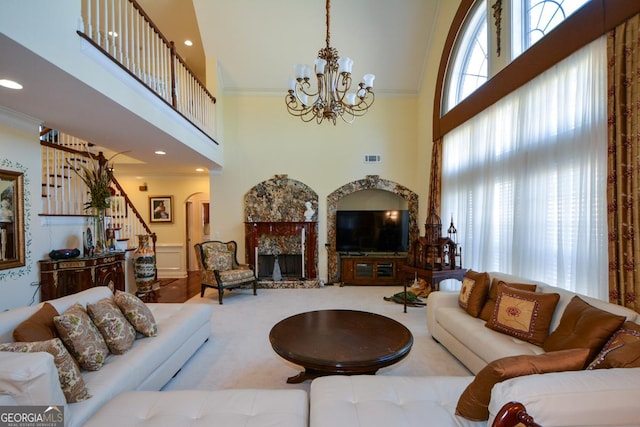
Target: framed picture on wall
(161, 209)
(12, 247)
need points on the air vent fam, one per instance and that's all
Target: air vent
(372, 158)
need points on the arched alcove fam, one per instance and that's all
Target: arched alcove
(369, 183)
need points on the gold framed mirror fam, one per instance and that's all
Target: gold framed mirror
(12, 248)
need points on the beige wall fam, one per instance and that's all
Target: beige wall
(260, 139)
(170, 235)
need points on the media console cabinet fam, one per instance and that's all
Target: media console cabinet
(372, 269)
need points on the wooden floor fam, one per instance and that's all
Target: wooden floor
(180, 290)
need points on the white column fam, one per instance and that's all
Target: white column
(302, 244)
(255, 263)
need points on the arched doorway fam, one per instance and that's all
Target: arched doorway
(370, 182)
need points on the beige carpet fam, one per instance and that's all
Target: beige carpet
(239, 355)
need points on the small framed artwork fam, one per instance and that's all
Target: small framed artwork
(161, 209)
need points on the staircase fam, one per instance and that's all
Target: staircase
(65, 194)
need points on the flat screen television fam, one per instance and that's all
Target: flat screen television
(372, 231)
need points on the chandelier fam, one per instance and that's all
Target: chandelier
(331, 98)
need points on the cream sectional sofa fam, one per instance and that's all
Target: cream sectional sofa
(31, 378)
(601, 397)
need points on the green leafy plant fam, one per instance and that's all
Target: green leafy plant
(97, 177)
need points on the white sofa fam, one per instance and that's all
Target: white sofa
(603, 397)
(31, 379)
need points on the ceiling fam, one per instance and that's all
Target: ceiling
(255, 43)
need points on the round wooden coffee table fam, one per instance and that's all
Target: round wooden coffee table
(329, 342)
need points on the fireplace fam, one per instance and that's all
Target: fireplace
(290, 266)
(293, 243)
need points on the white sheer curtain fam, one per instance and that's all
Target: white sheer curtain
(525, 179)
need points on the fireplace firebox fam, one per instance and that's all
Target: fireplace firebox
(293, 243)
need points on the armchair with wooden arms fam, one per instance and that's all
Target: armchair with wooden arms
(219, 267)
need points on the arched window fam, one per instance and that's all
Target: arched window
(533, 19)
(470, 68)
(472, 60)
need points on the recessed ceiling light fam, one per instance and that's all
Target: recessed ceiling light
(199, 170)
(188, 42)
(113, 34)
(10, 84)
(160, 153)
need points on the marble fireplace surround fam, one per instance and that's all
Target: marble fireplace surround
(282, 200)
(371, 182)
(274, 214)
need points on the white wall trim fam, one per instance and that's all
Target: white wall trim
(170, 261)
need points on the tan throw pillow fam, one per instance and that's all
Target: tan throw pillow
(71, 381)
(583, 326)
(490, 304)
(473, 293)
(114, 327)
(622, 350)
(522, 314)
(82, 338)
(38, 327)
(474, 400)
(137, 313)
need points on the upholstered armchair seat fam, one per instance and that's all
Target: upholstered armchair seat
(219, 267)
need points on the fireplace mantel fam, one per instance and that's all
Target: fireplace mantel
(253, 231)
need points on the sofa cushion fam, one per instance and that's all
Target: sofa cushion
(622, 350)
(386, 400)
(82, 337)
(137, 313)
(69, 375)
(39, 326)
(473, 293)
(522, 314)
(471, 334)
(228, 408)
(116, 330)
(474, 400)
(490, 303)
(583, 326)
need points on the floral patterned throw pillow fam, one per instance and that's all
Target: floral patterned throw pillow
(82, 337)
(114, 327)
(137, 313)
(71, 380)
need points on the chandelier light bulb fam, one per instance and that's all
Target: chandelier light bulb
(329, 98)
(368, 80)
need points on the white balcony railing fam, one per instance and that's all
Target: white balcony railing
(124, 32)
(65, 194)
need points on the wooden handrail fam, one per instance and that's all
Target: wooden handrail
(149, 57)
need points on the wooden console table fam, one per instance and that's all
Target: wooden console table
(68, 276)
(434, 277)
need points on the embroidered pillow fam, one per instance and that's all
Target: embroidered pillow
(622, 350)
(522, 314)
(473, 293)
(583, 326)
(38, 327)
(71, 381)
(137, 313)
(474, 400)
(114, 327)
(82, 338)
(490, 304)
